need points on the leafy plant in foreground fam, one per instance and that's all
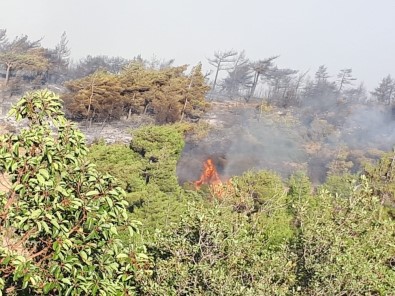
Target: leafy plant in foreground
(59, 218)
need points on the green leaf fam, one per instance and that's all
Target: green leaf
(122, 256)
(55, 223)
(83, 255)
(66, 281)
(109, 202)
(44, 173)
(69, 290)
(19, 187)
(35, 214)
(40, 179)
(47, 287)
(91, 193)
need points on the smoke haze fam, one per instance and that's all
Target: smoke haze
(289, 140)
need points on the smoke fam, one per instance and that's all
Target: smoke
(369, 127)
(242, 140)
(289, 140)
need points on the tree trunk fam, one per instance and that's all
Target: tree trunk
(254, 84)
(7, 74)
(183, 110)
(130, 112)
(216, 76)
(146, 108)
(341, 84)
(186, 99)
(90, 102)
(390, 95)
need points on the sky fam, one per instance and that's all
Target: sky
(357, 34)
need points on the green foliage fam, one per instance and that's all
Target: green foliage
(265, 188)
(347, 244)
(147, 171)
(340, 185)
(60, 218)
(382, 177)
(299, 185)
(123, 164)
(216, 251)
(262, 196)
(159, 148)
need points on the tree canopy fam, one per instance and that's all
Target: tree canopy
(169, 94)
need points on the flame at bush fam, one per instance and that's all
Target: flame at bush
(211, 178)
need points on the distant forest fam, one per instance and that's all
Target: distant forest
(152, 86)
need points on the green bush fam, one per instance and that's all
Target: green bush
(347, 244)
(147, 171)
(262, 196)
(59, 218)
(340, 185)
(216, 251)
(299, 186)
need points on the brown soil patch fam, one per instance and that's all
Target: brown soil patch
(5, 183)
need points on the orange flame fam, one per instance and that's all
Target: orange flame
(210, 177)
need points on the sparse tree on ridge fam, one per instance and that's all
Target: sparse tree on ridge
(385, 92)
(280, 82)
(261, 68)
(239, 76)
(22, 54)
(345, 78)
(321, 75)
(297, 86)
(59, 59)
(91, 64)
(356, 94)
(222, 61)
(323, 88)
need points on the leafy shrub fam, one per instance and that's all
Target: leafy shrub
(299, 185)
(147, 171)
(216, 251)
(60, 218)
(347, 244)
(262, 196)
(340, 185)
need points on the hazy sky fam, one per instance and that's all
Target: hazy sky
(357, 34)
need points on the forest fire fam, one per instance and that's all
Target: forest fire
(211, 178)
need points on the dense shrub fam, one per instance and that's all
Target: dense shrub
(216, 251)
(59, 217)
(146, 169)
(347, 244)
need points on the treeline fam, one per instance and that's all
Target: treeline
(25, 61)
(25, 65)
(244, 78)
(102, 88)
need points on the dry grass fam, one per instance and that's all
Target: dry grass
(5, 183)
(312, 147)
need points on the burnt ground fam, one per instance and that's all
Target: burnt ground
(253, 136)
(243, 138)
